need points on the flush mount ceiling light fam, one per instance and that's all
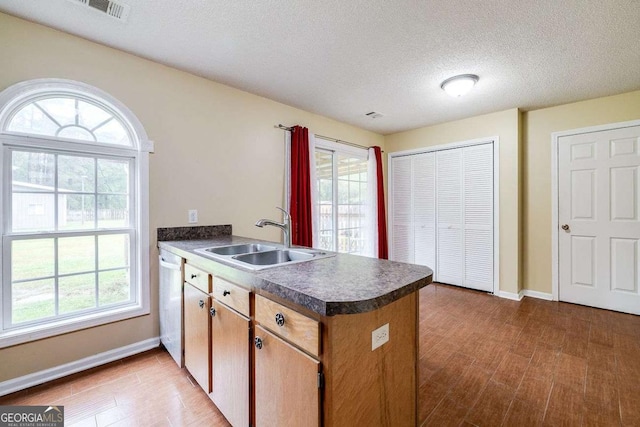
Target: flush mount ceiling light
(459, 85)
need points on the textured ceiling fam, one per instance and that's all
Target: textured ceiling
(343, 59)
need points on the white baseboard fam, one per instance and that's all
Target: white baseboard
(36, 378)
(510, 295)
(536, 294)
(525, 293)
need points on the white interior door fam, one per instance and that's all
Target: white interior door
(424, 209)
(402, 247)
(477, 166)
(598, 212)
(441, 213)
(450, 243)
(464, 196)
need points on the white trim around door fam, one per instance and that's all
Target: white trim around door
(555, 137)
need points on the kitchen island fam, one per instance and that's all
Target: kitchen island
(334, 340)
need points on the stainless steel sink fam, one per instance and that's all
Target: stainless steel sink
(279, 256)
(257, 256)
(239, 249)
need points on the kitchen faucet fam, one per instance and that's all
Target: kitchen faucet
(284, 226)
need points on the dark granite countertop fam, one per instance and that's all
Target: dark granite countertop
(341, 284)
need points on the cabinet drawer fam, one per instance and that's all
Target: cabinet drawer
(289, 324)
(232, 295)
(198, 278)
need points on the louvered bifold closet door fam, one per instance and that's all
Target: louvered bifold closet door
(402, 248)
(477, 167)
(450, 248)
(424, 209)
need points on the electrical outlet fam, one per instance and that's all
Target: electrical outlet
(379, 336)
(193, 216)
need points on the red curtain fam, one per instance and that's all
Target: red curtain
(300, 203)
(383, 251)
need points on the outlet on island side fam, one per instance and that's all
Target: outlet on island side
(193, 216)
(379, 336)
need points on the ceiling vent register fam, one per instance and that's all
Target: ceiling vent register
(119, 11)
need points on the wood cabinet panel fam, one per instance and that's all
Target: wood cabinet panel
(198, 278)
(286, 384)
(365, 387)
(232, 295)
(278, 384)
(197, 351)
(230, 350)
(297, 328)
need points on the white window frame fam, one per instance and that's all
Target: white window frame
(340, 149)
(11, 99)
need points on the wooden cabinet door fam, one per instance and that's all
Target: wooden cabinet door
(286, 384)
(197, 351)
(230, 364)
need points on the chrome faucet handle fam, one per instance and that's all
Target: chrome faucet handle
(287, 217)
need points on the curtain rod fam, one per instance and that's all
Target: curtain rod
(339, 141)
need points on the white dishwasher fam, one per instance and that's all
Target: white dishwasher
(170, 279)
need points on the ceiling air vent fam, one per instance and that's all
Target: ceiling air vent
(373, 115)
(119, 11)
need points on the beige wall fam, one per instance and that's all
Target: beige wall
(216, 150)
(505, 125)
(538, 126)
(525, 174)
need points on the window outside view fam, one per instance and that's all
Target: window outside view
(60, 275)
(70, 232)
(342, 201)
(70, 118)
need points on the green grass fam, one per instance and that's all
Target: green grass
(33, 260)
(32, 300)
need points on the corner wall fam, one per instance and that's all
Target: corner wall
(525, 174)
(216, 150)
(538, 126)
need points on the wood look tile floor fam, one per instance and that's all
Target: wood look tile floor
(143, 390)
(484, 361)
(488, 361)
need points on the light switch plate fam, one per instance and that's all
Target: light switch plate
(379, 336)
(193, 216)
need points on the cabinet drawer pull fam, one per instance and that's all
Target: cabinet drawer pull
(193, 276)
(258, 342)
(212, 312)
(233, 295)
(201, 304)
(289, 324)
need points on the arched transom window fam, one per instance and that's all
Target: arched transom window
(72, 235)
(71, 118)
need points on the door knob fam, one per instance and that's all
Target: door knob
(565, 227)
(258, 343)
